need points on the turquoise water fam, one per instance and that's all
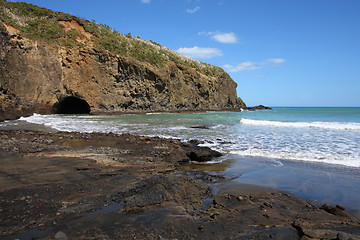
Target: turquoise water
(313, 153)
(327, 135)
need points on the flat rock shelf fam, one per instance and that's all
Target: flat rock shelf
(65, 185)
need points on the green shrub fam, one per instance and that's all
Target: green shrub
(42, 24)
(72, 34)
(46, 30)
(2, 27)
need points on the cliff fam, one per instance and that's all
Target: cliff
(53, 62)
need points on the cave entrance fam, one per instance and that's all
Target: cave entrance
(72, 105)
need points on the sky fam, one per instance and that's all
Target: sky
(280, 52)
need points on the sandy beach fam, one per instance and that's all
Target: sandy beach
(65, 185)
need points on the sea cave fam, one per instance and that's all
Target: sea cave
(72, 105)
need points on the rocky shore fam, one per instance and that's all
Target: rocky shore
(105, 186)
(259, 107)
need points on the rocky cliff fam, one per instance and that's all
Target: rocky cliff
(56, 63)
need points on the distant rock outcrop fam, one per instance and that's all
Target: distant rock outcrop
(259, 107)
(81, 76)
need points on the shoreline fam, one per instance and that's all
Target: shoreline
(312, 181)
(126, 186)
(6, 116)
(17, 115)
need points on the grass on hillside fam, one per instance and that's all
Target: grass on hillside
(42, 24)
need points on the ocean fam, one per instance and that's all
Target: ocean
(311, 152)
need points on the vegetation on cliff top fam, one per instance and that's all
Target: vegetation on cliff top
(45, 25)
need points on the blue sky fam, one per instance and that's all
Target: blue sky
(280, 52)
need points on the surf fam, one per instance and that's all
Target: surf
(321, 125)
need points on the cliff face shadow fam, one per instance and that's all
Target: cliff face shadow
(72, 105)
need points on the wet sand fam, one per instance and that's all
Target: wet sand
(107, 186)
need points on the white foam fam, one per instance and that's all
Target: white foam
(325, 125)
(214, 161)
(328, 146)
(32, 118)
(153, 113)
(8, 123)
(176, 128)
(68, 123)
(209, 145)
(300, 156)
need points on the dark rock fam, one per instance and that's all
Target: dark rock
(340, 207)
(195, 142)
(205, 176)
(61, 236)
(203, 155)
(158, 189)
(201, 228)
(337, 211)
(240, 198)
(201, 127)
(342, 236)
(260, 107)
(266, 204)
(319, 224)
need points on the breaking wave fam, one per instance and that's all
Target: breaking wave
(324, 125)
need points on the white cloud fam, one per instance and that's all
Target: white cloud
(225, 37)
(242, 66)
(276, 60)
(145, 1)
(194, 10)
(253, 65)
(221, 37)
(199, 52)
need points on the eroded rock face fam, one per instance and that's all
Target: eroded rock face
(35, 77)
